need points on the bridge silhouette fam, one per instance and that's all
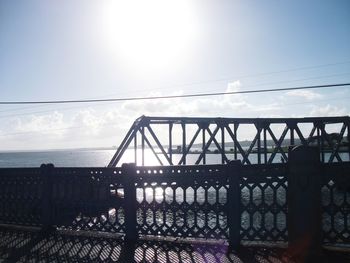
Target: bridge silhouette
(189, 213)
(232, 138)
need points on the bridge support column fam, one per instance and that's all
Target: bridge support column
(304, 204)
(129, 173)
(47, 206)
(234, 204)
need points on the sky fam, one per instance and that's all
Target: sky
(85, 49)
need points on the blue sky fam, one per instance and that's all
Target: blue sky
(101, 49)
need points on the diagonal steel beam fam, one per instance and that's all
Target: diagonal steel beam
(152, 149)
(325, 136)
(336, 150)
(207, 145)
(278, 143)
(312, 132)
(123, 146)
(160, 146)
(240, 149)
(189, 146)
(301, 137)
(251, 146)
(217, 144)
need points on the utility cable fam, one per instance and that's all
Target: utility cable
(174, 96)
(246, 76)
(79, 107)
(114, 123)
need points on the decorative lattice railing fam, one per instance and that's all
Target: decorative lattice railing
(183, 201)
(263, 190)
(231, 201)
(88, 199)
(21, 195)
(335, 191)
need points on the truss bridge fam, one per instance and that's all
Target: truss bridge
(164, 209)
(181, 141)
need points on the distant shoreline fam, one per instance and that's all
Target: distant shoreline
(59, 150)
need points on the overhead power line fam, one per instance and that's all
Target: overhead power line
(79, 107)
(240, 77)
(173, 96)
(262, 74)
(114, 123)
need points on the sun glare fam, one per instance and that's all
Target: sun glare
(149, 35)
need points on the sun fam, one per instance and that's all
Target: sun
(149, 35)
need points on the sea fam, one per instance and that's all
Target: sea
(60, 158)
(102, 157)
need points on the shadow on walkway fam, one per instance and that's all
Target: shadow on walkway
(33, 246)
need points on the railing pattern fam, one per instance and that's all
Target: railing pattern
(336, 203)
(263, 190)
(21, 196)
(88, 199)
(211, 201)
(183, 201)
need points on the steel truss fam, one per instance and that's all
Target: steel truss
(233, 138)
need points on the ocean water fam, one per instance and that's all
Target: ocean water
(101, 158)
(92, 158)
(66, 158)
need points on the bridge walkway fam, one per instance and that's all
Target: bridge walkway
(32, 245)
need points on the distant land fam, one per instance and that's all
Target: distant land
(64, 149)
(269, 143)
(244, 144)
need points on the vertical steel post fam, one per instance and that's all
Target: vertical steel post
(258, 127)
(320, 139)
(291, 128)
(223, 153)
(304, 204)
(348, 124)
(235, 127)
(265, 145)
(170, 150)
(184, 142)
(47, 206)
(234, 203)
(129, 174)
(135, 147)
(203, 144)
(143, 145)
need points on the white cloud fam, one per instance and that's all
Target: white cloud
(234, 86)
(329, 110)
(164, 107)
(92, 127)
(89, 121)
(48, 124)
(306, 94)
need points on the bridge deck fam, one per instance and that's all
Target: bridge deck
(31, 245)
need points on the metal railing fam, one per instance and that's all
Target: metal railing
(232, 201)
